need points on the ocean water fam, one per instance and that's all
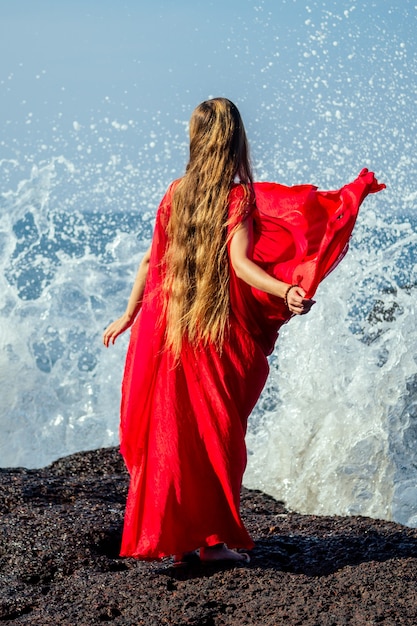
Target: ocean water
(335, 430)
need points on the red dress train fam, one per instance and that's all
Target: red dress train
(183, 426)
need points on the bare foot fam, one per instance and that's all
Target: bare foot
(221, 552)
(186, 558)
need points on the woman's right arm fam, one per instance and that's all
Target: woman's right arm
(134, 304)
(240, 256)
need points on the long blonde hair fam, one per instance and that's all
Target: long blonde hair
(196, 284)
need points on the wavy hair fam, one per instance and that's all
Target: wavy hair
(196, 283)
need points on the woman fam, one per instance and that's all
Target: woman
(230, 262)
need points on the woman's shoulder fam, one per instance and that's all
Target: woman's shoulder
(242, 193)
(167, 197)
(241, 202)
(164, 210)
(172, 187)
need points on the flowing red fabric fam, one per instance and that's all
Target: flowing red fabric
(183, 424)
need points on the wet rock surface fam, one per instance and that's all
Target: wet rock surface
(59, 541)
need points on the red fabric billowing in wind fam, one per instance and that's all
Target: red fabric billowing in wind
(183, 425)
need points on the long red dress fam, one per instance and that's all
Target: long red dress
(183, 425)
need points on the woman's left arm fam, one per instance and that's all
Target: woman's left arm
(134, 304)
(241, 246)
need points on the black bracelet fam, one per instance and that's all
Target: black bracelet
(287, 292)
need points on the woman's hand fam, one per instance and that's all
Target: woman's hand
(116, 328)
(296, 301)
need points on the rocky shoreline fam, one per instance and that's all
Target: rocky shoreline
(59, 564)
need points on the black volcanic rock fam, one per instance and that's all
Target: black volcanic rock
(59, 564)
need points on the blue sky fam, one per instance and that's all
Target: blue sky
(334, 71)
(76, 54)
